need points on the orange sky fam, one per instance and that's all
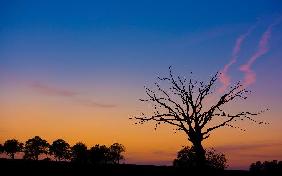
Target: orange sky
(28, 112)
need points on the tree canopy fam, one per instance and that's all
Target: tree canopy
(99, 154)
(266, 168)
(79, 152)
(60, 149)
(1, 149)
(12, 146)
(34, 147)
(116, 151)
(187, 158)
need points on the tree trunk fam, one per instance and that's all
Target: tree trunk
(200, 154)
(196, 138)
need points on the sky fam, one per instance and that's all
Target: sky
(76, 69)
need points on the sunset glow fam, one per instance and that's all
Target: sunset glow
(77, 71)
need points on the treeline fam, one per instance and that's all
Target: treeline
(60, 150)
(266, 168)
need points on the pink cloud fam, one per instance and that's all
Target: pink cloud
(224, 78)
(51, 91)
(60, 92)
(263, 48)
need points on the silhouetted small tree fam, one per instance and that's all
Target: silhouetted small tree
(12, 146)
(267, 168)
(256, 167)
(116, 151)
(187, 158)
(1, 149)
(60, 149)
(182, 103)
(79, 153)
(99, 154)
(34, 147)
(216, 160)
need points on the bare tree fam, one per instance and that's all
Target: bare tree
(183, 105)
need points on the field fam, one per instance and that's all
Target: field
(51, 168)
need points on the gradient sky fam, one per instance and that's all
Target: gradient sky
(76, 69)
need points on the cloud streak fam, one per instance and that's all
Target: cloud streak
(164, 153)
(269, 156)
(51, 91)
(248, 147)
(243, 154)
(224, 78)
(48, 90)
(91, 103)
(263, 48)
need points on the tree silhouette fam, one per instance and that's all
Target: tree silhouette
(79, 152)
(116, 151)
(216, 160)
(34, 147)
(256, 167)
(182, 104)
(187, 158)
(99, 154)
(60, 149)
(12, 146)
(266, 168)
(1, 149)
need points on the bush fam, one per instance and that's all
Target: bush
(186, 157)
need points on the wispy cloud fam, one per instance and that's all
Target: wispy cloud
(210, 34)
(164, 153)
(149, 162)
(91, 103)
(51, 91)
(263, 155)
(48, 90)
(2, 131)
(248, 147)
(244, 154)
(224, 78)
(263, 48)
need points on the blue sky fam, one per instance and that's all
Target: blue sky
(124, 34)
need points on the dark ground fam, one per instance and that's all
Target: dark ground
(51, 168)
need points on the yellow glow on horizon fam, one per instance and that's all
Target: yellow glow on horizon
(53, 118)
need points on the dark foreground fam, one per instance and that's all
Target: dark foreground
(51, 168)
